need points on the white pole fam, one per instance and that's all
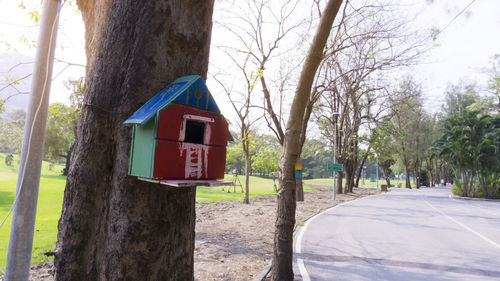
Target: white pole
(28, 179)
(363, 174)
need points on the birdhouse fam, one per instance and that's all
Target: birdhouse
(179, 134)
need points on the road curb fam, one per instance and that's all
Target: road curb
(472, 198)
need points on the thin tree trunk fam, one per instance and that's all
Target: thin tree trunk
(417, 177)
(269, 107)
(114, 226)
(282, 268)
(360, 171)
(246, 199)
(245, 145)
(298, 182)
(407, 173)
(69, 153)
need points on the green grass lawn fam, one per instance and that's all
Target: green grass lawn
(51, 196)
(48, 208)
(258, 187)
(368, 183)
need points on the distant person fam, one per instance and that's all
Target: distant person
(8, 159)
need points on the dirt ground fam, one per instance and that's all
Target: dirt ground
(234, 240)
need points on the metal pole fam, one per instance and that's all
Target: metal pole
(364, 175)
(334, 161)
(377, 172)
(28, 179)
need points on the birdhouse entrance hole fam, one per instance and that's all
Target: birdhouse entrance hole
(195, 132)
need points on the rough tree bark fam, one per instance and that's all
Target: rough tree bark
(282, 268)
(113, 226)
(407, 171)
(339, 177)
(350, 165)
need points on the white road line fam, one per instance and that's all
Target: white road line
(303, 270)
(298, 243)
(465, 226)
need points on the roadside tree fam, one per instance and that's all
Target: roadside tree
(371, 42)
(406, 108)
(60, 133)
(282, 261)
(494, 79)
(11, 131)
(241, 103)
(261, 32)
(235, 160)
(470, 143)
(266, 160)
(384, 147)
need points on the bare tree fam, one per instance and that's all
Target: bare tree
(372, 42)
(262, 30)
(13, 82)
(241, 103)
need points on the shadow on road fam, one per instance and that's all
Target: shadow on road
(397, 263)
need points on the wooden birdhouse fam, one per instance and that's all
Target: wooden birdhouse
(179, 134)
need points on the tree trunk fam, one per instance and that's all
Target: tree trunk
(417, 177)
(282, 268)
(69, 153)
(407, 172)
(299, 190)
(349, 175)
(350, 164)
(246, 152)
(349, 181)
(360, 170)
(388, 181)
(298, 182)
(339, 182)
(113, 226)
(350, 167)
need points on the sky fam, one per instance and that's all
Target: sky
(462, 50)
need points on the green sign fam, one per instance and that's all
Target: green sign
(334, 167)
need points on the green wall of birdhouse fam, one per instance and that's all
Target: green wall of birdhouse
(142, 149)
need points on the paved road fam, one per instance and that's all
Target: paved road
(402, 235)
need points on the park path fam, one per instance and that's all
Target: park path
(418, 234)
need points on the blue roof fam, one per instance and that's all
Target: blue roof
(190, 90)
